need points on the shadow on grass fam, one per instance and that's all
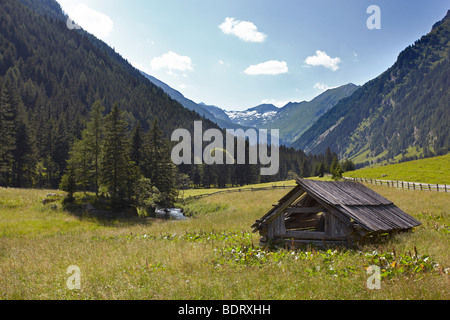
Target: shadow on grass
(90, 208)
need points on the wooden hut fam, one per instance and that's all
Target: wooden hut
(331, 213)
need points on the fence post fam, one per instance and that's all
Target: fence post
(437, 187)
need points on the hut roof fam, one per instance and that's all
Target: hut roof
(358, 203)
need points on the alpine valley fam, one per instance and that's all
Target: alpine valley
(51, 76)
(398, 116)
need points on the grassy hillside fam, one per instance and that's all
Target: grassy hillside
(431, 170)
(211, 256)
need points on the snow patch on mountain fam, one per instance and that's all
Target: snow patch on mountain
(250, 118)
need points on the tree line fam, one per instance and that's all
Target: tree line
(128, 165)
(130, 169)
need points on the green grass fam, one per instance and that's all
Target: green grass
(197, 192)
(211, 256)
(434, 170)
(288, 184)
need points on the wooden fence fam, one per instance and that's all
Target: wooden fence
(404, 184)
(387, 183)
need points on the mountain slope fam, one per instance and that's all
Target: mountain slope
(212, 113)
(294, 118)
(55, 75)
(64, 64)
(405, 107)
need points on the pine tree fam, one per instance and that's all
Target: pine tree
(328, 160)
(167, 171)
(79, 162)
(116, 165)
(7, 139)
(304, 169)
(93, 135)
(68, 183)
(136, 145)
(157, 165)
(24, 152)
(153, 147)
(336, 169)
(321, 170)
(196, 174)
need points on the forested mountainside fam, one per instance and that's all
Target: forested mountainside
(55, 75)
(405, 107)
(51, 76)
(212, 113)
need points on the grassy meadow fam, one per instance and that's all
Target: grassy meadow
(213, 255)
(431, 170)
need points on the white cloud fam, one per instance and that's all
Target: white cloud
(172, 62)
(95, 22)
(272, 67)
(322, 59)
(139, 66)
(244, 30)
(322, 87)
(224, 64)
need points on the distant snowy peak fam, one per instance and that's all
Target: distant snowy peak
(254, 116)
(264, 108)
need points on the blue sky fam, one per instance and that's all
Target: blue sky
(237, 54)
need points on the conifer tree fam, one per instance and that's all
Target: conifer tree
(78, 163)
(68, 183)
(93, 135)
(304, 169)
(7, 139)
(336, 169)
(136, 145)
(157, 165)
(116, 165)
(24, 151)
